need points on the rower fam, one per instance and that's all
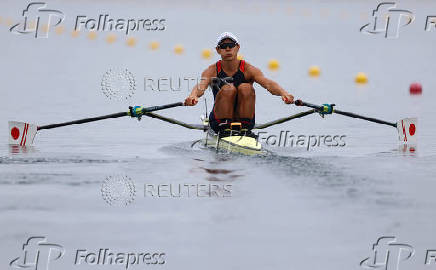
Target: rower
(232, 81)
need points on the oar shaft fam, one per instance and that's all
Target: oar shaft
(285, 119)
(85, 120)
(310, 105)
(108, 116)
(162, 107)
(353, 115)
(349, 114)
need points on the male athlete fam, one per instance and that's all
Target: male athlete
(233, 90)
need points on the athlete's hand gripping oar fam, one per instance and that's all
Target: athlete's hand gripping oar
(406, 127)
(24, 133)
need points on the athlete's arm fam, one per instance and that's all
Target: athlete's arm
(198, 89)
(270, 85)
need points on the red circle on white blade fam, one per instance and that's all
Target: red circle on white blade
(15, 133)
(412, 129)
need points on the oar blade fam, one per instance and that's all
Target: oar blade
(21, 133)
(407, 130)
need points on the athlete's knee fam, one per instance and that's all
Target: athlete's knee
(246, 90)
(228, 91)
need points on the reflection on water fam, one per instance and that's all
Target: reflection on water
(17, 149)
(410, 150)
(53, 160)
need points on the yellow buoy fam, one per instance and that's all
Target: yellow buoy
(45, 28)
(178, 49)
(59, 29)
(206, 53)
(325, 12)
(131, 41)
(154, 45)
(75, 33)
(307, 12)
(273, 64)
(240, 56)
(9, 22)
(361, 78)
(314, 71)
(92, 35)
(32, 25)
(111, 38)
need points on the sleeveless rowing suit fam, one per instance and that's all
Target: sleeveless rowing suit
(238, 78)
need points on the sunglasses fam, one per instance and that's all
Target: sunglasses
(227, 45)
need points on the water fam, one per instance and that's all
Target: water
(322, 208)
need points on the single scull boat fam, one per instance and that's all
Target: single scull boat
(235, 140)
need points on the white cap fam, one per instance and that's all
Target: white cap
(226, 35)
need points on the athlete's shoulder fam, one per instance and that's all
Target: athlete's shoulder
(251, 68)
(210, 70)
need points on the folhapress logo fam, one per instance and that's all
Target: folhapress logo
(38, 20)
(37, 254)
(388, 254)
(388, 20)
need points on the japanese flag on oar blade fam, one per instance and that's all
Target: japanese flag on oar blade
(407, 130)
(21, 133)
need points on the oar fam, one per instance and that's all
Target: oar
(24, 133)
(406, 127)
(329, 108)
(136, 111)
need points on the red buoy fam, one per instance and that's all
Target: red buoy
(415, 89)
